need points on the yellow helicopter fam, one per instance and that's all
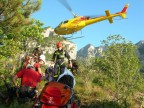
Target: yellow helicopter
(78, 22)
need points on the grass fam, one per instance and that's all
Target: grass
(15, 104)
(91, 92)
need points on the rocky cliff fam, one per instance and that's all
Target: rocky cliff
(91, 51)
(48, 31)
(69, 46)
(50, 45)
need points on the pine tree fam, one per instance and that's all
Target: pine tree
(14, 14)
(14, 19)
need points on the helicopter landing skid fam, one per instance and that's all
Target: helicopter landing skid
(72, 37)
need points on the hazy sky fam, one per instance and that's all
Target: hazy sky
(132, 28)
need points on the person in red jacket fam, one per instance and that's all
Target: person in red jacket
(29, 81)
(27, 88)
(29, 77)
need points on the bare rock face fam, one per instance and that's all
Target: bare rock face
(69, 46)
(48, 32)
(87, 51)
(91, 51)
(49, 48)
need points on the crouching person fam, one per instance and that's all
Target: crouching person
(29, 81)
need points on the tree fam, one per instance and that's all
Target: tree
(32, 34)
(121, 66)
(14, 19)
(14, 14)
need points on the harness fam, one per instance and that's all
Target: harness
(55, 76)
(59, 55)
(59, 58)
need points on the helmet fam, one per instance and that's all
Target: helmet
(59, 44)
(42, 57)
(30, 66)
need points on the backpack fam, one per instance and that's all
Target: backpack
(55, 93)
(49, 73)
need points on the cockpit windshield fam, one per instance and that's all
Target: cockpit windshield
(65, 21)
(60, 23)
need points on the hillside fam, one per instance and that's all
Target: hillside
(103, 82)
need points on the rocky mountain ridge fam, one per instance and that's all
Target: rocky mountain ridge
(91, 51)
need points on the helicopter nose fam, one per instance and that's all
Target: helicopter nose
(56, 30)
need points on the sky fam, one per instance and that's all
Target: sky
(52, 12)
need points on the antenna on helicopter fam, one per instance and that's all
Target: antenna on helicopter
(67, 6)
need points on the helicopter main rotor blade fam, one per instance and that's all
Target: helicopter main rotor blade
(67, 6)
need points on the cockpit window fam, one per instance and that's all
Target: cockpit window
(65, 21)
(60, 23)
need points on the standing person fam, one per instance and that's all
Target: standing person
(58, 58)
(37, 65)
(37, 52)
(27, 61)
